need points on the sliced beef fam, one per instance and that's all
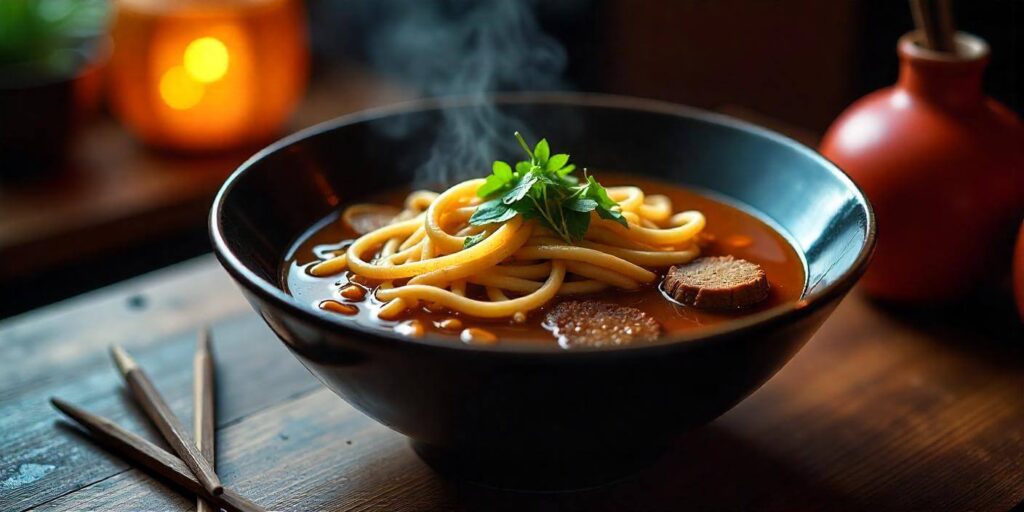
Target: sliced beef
(589, 323)
(366, 218)
(717, 282)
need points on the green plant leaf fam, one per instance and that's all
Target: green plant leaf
(490, 186)
(595, 191)
(500, 177)
(520, 190)
(542, 152)
(472, 240)
(491, 212)
(569, 181)
(526, 209)
(577, 224)
(580, 205)
(564, 172)
(502, 170)
(556, 162)
(543, 188)
(607, 213)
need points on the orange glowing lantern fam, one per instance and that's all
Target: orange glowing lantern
(207, 74)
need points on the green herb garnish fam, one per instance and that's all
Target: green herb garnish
(542, 188)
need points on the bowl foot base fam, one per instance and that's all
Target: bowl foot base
(547, 474)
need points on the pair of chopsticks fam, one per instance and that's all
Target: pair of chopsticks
(194, 470)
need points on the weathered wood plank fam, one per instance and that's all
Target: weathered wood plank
(878, 412)
(858, 420)
(315, 452)
(137, 312)
(38, 463)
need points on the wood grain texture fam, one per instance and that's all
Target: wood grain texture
(135, 313)
(325, 455)
(150, 457)
(39, 462)
(881, 411)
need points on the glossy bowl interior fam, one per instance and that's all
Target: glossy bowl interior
(501, 413)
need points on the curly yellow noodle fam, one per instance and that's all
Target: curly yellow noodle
(330, 267)
(480, 264)
(497, 295)
(405, 255)
(416, 237)
(598, 233)
(534, 271)
(420, 200)
(629, 198)
(518, 266)
(514, 284)
(564, 251)
(480, 308)
(650, 258)
(656, 209)
(447, 243)
(488, 249)
(601, 274)
(687, 225)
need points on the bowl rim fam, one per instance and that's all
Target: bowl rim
(782, 313)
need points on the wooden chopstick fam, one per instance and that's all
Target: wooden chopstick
(152, 457)
(947, 27)
(203, 398)
(922, 20)
(934, 19)
(167, 423)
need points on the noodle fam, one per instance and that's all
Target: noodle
(518, 266)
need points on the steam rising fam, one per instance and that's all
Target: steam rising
(466, 48)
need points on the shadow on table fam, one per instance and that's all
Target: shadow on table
(708, 469)
(985, 326)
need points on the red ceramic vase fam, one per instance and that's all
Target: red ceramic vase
(943, 166)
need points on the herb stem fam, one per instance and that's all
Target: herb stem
(526, 147)
(543, 210)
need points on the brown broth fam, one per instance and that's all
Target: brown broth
(729, 229)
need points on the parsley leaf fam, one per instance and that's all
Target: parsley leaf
(473, 240)
(541, 152)
(542, 188)
(557, 162)
(522, 188)
(491, 212)
(606, 208)
(581, 205)
(576, 224)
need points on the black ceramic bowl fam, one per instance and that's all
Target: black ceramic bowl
(532, 417)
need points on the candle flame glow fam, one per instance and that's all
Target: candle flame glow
(206, 75)
(206, 59)
(179, 90)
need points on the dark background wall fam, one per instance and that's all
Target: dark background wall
(800, 61)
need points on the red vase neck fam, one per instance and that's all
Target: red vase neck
(951, 80)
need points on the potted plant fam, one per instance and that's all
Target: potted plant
(50, 51)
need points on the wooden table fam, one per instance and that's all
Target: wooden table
(878, 412)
